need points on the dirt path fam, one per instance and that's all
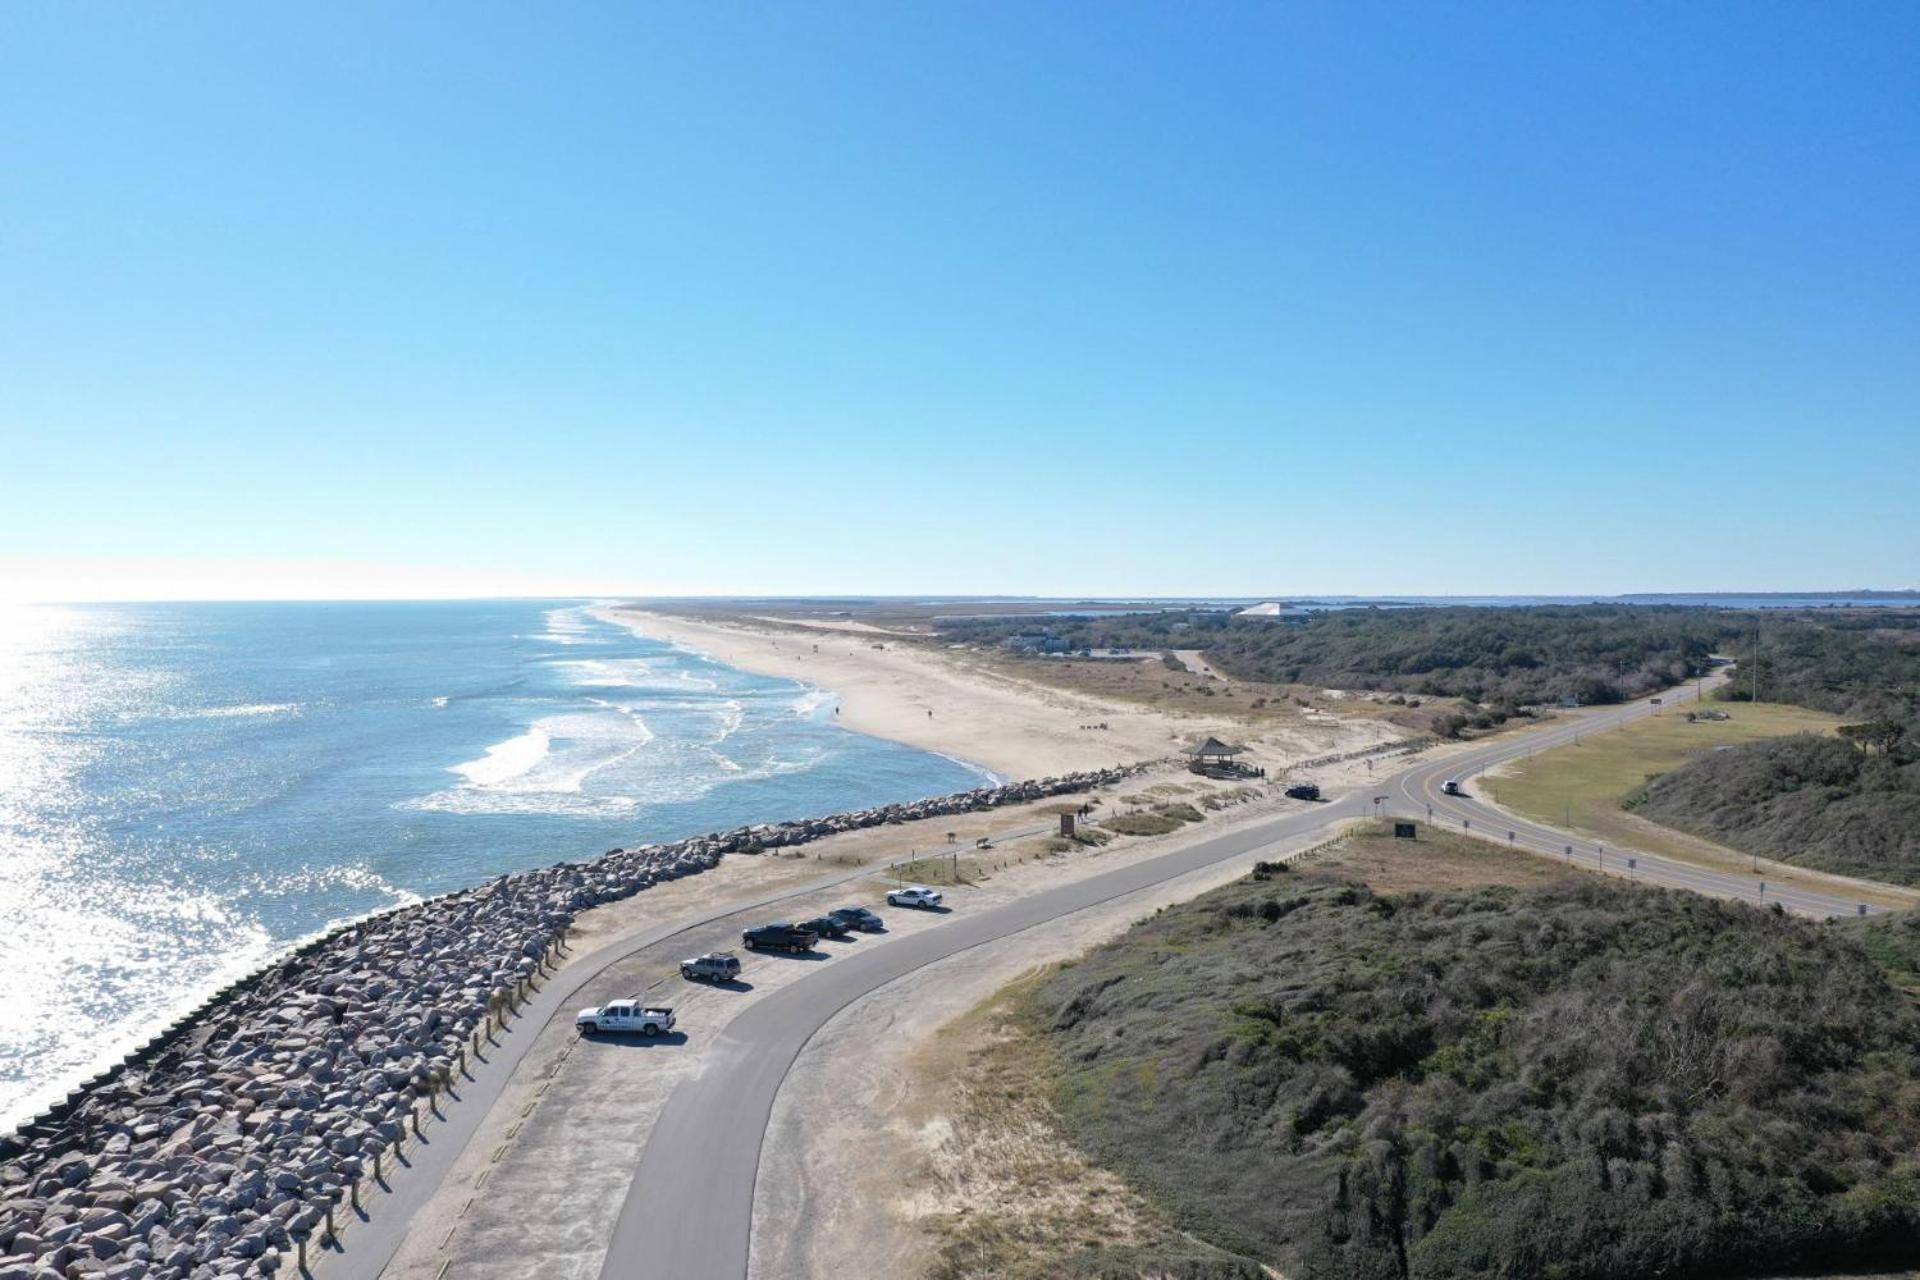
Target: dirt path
(1194, 661)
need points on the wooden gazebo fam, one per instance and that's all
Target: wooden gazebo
(1217, 759)
(1213, 749)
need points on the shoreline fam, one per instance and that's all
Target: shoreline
(903, 694)
(240, 973)
(385, 1012)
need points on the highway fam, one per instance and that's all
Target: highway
(689, 1212)
(1417, 793)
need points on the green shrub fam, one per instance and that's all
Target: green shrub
(1149, 823)
(1584, 1081)
(1820, 802)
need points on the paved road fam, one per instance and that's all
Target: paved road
(1416, 793)
(689, 1212)
(372, 1237)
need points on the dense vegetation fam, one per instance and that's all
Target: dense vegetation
(1893, 940)
(1856, 665)
(1578, 1081)
(1506, 657)
(1820, 802)
(1849, 804)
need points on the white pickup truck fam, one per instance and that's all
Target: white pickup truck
(626, 1015)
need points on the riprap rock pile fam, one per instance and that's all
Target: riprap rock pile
(214, 1148)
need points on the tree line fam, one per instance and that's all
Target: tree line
(1500, 658)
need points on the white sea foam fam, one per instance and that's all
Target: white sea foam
(544, 804)
(991, 778)
(505, 760)
(569, 626)
(309, 879)
(729, 715)
(441, 702)
(548, 768)
(629, 673)
(810, 703)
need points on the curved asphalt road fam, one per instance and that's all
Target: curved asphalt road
(689, 1212)
(1416, 792)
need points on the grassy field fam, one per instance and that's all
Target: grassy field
(1581, 786)
(1432, 860)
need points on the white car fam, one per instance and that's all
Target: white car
(626, 1015)
(914, 895)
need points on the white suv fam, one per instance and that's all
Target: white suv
(914, 895)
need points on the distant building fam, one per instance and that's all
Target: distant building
(1271, 609)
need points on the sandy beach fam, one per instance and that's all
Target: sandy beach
(899, 692)
(941, 701)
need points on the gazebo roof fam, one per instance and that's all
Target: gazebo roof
(1213, 747)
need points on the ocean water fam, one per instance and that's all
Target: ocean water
(187, 789)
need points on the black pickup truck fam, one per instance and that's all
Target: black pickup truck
(779, 936)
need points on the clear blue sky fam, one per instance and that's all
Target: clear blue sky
(1054, 298)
